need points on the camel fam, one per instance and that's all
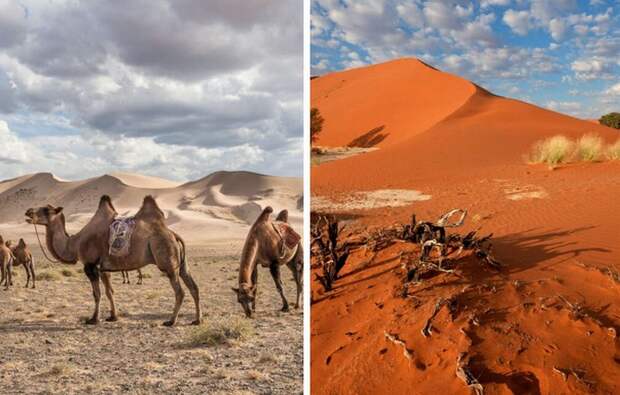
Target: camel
(151, 243)
(126, 279)
(6, 260)
(267, 245)
(22, 256)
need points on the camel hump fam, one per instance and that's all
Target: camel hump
(106, 200)
(150, 209)
(22, 243)
(282, 216)
(264, 216)
(1, 240)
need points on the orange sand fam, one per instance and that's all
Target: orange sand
(464, 146)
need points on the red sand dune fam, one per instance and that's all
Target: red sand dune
(464, 146)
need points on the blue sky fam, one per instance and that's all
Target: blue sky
(559, 54)
(169, 88)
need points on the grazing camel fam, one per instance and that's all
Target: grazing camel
(151, 243)
(6, 260)
(126, 279)
(270, 244)
(22, 256)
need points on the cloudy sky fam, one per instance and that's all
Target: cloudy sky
(170, 88)
(559, 54)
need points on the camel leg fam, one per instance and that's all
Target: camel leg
(92, 272)
(179, 294)
(31, 265)
(297, 267)
(193, 289)
(27, 270)
(139, 277)
(255, 283)
(9, 274)
(109, 292)
(274, 269)
(2, 272)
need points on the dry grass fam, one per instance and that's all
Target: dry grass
(589, 148)
(67, 273)
(257, 375)
(560, 149)
(47, 275)
(221, 331)
(60, 369)
(613, 151)
(552, 151)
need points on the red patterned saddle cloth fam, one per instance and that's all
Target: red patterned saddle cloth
(288, 235)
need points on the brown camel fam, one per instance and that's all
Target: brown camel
(6, 260)
(21, 256)
(270, 244)
(151, 243)
(126, 279)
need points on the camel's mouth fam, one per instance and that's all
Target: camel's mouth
(29, 216)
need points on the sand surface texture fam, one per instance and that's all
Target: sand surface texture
(547, 323)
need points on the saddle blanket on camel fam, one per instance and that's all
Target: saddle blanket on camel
(290, 240)
(121, 230)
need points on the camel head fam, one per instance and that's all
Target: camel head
(245, 296)
(43, 215)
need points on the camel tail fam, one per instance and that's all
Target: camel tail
(182, 243)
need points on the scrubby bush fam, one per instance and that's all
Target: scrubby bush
(589, 148)
(553, 151)
(612, 120)
(316, 123)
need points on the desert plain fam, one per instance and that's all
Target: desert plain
(47, 348)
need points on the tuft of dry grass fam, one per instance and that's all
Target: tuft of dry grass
(552, 151)
(67, 273)
(257, 375)
(47, 275)
(613, 151)
(60, 369)
(221, 331)
(589, 148)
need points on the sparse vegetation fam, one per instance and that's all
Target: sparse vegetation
(589, 148)
(48, 275)
(613, 151)
(560, 149)
(221, 331)
(612, 120)
(67, 273)
(316, 124)
(553, 151)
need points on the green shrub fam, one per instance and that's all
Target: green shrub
(316, 124)
(612, 120)
(589, 148)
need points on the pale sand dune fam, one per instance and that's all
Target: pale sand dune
(217, 207)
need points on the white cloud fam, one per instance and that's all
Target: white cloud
(557, 28)
(614, 90)
(592, 68)
(14, 150)
(489, 3)
(564, 106)
(519, 21)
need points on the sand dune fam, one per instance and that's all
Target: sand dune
(555, 231)
(217, 207)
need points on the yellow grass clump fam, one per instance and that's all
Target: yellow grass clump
(613, 151)
(553, 151)
(221, 331)
(47, 275)
(560, 149)
(589, 148)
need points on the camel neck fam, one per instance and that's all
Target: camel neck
(248, 260)
(59, 243)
